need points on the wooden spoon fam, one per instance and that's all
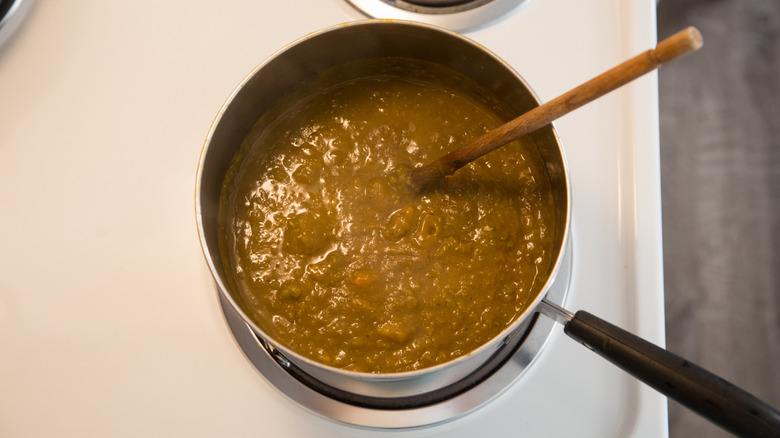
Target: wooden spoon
(679, 44)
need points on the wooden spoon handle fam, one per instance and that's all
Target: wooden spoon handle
(679, 44)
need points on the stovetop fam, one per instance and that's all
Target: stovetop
(109, 321)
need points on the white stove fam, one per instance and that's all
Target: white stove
(110, 324)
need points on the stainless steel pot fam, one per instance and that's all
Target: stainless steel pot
(300, 62)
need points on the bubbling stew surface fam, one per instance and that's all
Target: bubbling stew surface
(331, 254)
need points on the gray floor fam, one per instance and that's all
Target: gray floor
(720, 157)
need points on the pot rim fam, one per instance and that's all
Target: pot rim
(508, 332)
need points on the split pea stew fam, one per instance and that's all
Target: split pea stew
(334, 257)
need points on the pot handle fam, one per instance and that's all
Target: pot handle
(698, 389)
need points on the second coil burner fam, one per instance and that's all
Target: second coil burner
(457, 15)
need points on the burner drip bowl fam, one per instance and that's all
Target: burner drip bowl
(457, 15)
(502, 370)
(437, 6)
(405, 402)
(12, 12)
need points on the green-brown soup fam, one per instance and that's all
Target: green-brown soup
(332, 255)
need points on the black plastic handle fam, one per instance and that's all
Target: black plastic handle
(701, 391)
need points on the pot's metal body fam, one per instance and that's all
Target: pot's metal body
(301, 62)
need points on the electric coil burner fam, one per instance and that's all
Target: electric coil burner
(457, 15)
(444, 404)
(437, 6)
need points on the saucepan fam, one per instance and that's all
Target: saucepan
(300, 62)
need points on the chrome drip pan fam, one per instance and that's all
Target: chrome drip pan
(505, 368)
(458, 15)
(12, 13)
